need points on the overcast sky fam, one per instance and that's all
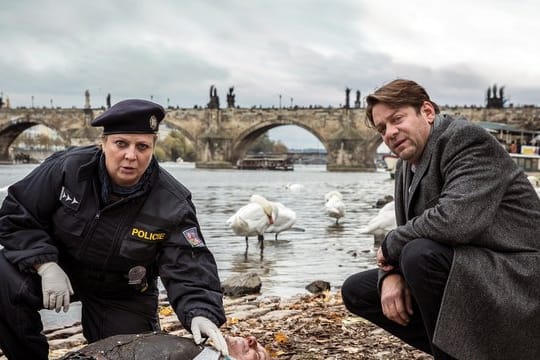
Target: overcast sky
(306, 51)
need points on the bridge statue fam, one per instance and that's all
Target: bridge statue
(347, 94)
(87, 99)
(214, 98)
(357, 103)
(230, 97)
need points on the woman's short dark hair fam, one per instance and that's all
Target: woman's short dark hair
(396, 94)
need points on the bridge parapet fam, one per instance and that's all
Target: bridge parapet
(523, 117)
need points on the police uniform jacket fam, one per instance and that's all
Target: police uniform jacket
(54, 214)
(467, 193)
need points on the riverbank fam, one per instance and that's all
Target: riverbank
(297, 328)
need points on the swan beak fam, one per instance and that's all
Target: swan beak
(270, 219)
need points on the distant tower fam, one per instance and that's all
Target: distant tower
(494, 100)
(347, 95)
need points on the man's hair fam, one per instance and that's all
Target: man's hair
(396, 94)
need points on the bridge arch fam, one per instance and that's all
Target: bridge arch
(373, 143)
(226, 134)
(242, 142)
(12, 129)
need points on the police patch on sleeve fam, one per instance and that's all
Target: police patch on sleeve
(192, 236)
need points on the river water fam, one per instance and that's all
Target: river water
(324, 251)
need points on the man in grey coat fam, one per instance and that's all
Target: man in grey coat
(458, 277)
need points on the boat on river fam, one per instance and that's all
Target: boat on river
(266, 162)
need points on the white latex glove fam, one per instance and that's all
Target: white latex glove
(55, 285)
(201, 325)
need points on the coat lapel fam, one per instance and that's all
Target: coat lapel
(407, 180)
(423, 166)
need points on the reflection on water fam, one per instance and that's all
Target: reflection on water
(324, 251)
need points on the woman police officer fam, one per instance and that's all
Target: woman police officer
(99, 224)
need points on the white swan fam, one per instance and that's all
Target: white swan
(335, 207)
(252, 219)
(295, 187)
(382, 223)
(284, 219)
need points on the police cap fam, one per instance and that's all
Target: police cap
(131, 116)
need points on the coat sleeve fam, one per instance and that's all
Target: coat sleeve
(25, 217)
(467, 178)
(189, 272)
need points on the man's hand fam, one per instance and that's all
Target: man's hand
(381, 261)
(396, 299)
(201, 325)
(55, 285)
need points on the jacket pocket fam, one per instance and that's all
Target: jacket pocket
(67, 222)
(69, 229)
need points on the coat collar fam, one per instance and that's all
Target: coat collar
(88, 169)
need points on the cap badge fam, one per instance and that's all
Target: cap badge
(153, 122)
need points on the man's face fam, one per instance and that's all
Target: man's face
(246, 348)
(127, 156)
(403, 130)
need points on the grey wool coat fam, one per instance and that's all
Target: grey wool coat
(467, 193)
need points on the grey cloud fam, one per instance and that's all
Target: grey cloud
(306, 50)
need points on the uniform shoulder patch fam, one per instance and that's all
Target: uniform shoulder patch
(192, 236)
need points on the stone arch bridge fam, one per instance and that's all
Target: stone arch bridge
(222, 136)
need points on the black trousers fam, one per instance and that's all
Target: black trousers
(425, 265)
(106, 311)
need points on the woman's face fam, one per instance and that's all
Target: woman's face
(127, 156)
(246, 348)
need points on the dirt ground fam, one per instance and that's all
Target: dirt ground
(322, 329)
